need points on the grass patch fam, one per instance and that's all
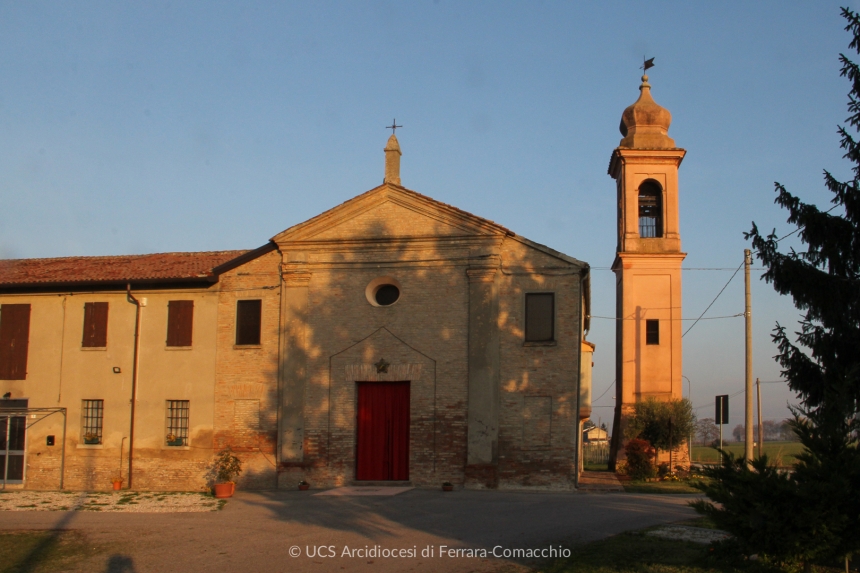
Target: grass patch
(635, 552)
(604, 467)
(781, 454)
(42, 551)
(659, 487)
(702, 521)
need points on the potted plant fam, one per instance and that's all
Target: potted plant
(303, 485)
(117, 483)
(226, 467)
(91, 439)
(172, 440)
(447, 486)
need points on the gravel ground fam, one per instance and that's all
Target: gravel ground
(688, 533)
(121, 501)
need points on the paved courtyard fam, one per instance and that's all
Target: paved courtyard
(417, 530)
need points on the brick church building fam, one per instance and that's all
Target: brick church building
(392, 338)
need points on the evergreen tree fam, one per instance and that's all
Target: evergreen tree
(822, 365)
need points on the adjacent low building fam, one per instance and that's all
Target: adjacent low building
(392, 338)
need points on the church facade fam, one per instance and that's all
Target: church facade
(391, 339)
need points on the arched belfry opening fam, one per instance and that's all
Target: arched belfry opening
(650, 210)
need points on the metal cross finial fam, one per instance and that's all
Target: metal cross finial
(393, 127)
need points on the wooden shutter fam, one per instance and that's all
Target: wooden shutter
(180, 318)
(540, 313)
(248, 321)
(95, 325)
(14, 340)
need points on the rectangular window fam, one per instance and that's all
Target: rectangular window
(177, 422)
(13, 431)
(652, 332)
(180, 318)
(248, 313)
(92, 417)
(540, 314)
(14, 339)
(95, 325)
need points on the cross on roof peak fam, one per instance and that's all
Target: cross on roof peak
(393, 127)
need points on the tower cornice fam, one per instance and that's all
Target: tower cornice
(622, 155)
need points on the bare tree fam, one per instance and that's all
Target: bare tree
(707, 431)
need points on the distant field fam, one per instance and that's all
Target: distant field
(779, 453)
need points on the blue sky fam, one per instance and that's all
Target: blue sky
(182, 126)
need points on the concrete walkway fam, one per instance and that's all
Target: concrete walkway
(599, 482)
(279, 531)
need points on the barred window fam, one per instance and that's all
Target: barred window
(177, 422)
(92, 418)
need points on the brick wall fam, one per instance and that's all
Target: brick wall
(246, 379)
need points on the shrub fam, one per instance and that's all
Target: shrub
(226, 466)
(640, 459)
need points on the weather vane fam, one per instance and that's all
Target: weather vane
(647, 64)
(393, 127)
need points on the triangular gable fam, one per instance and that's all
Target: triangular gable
(390, 210)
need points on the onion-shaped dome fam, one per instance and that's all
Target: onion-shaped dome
(645, 124)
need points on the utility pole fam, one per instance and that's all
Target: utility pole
(748, 404)
(690, 437)
(760, 426)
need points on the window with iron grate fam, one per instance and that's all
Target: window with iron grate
(177, 422)
(92, 419)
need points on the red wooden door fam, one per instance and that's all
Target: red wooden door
(382, 428)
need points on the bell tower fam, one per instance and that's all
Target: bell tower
(647, 263)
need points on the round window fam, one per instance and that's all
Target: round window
(383, 291)
(386, 295)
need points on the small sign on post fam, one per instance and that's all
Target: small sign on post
(721, 413)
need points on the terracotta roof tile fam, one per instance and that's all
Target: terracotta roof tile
(155, 267)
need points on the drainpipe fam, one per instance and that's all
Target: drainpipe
(136, 303)
(578, 439)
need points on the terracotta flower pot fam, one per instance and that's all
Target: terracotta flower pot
(117, 484)
(447, 488)
(224, 490)
(304, 487)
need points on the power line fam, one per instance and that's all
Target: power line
(605, 391)
(713, 301)
(700, 318)
(687, 268)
